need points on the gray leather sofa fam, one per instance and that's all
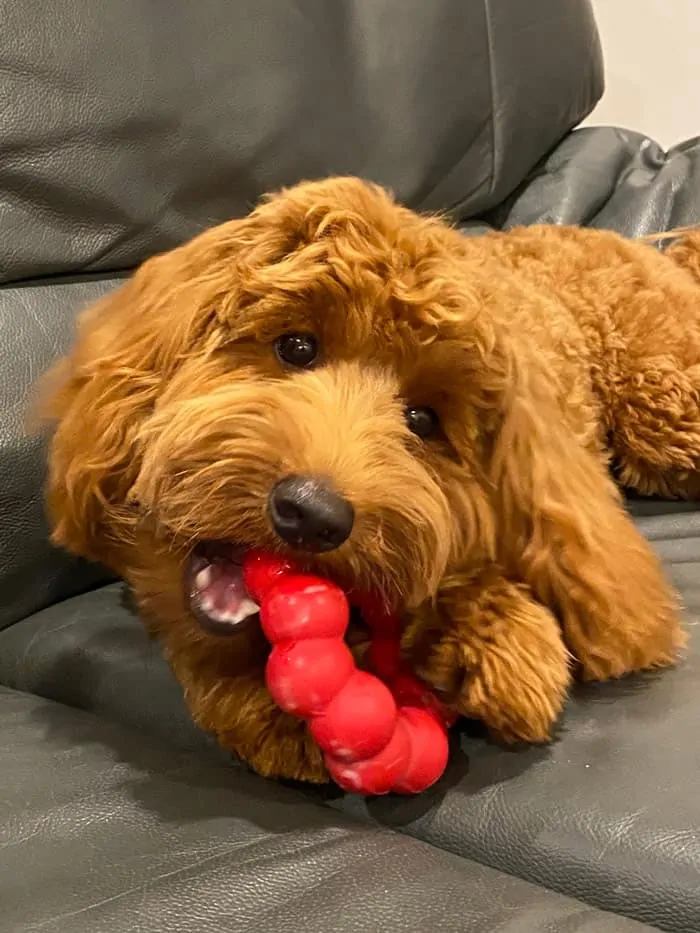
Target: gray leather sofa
(124, 129)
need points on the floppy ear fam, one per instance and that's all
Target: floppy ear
(562, 529)
(97, 397)
(127, 348)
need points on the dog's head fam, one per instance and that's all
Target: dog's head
(318, 378)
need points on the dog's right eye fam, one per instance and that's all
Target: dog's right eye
(297, 350)
(422, 421)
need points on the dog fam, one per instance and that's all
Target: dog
(406, 410)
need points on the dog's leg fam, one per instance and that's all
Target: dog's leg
(238, 711)
(656, 402)
(242, 716)
(655, 435)
(494, 654)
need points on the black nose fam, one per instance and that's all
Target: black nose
(308, 515)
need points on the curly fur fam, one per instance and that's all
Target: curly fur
(547, 352)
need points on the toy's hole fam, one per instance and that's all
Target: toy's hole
(358, 632)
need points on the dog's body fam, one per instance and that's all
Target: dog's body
(408, 410)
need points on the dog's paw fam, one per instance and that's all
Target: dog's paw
(281, 748)
(240, 713)
(494, 654)
(515, 706)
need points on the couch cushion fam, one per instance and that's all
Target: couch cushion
(36, 325)
(127, 128)
(101, 830)
(91, 652)
(609, 814)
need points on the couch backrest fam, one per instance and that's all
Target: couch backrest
(125, 128)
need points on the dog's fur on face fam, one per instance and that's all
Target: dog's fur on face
(501, 536)
(198, 419)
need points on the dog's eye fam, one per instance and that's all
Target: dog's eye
(298, 350)
(422, 421)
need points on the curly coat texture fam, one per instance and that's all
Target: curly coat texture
(546, 352)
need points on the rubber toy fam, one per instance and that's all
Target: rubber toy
(380, 733)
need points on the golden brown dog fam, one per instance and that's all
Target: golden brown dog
(409, 411)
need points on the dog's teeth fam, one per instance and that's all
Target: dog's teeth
(203, 579)
(198, 563)
(247, 608)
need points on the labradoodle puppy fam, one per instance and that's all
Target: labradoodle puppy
(409, 411)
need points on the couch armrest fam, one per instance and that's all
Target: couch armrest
(36, 326)
(609, 178)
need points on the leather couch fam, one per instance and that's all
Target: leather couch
(126, 128)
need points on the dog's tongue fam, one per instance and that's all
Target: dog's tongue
(221, 593)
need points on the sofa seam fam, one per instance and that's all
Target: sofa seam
(488, 27)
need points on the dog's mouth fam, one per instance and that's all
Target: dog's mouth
(215, 591)
(217, 596)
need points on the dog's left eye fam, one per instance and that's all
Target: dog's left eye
(298, 350)
(422, 421)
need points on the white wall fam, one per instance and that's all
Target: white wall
(652, 60)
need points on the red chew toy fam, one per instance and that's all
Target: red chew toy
(377, 735)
